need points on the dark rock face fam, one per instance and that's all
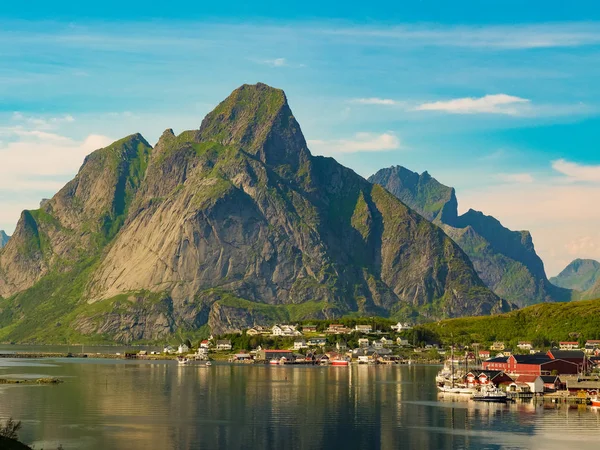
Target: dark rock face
(505, 260)
(232, 225)
(581, 275)
(3, 239)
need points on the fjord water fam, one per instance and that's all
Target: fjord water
(110, 404)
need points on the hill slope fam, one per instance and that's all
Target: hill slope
(233, 224)
(505, 260)
(544, 324)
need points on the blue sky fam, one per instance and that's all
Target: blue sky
(499, 99)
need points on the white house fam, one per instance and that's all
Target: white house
(183, 349)
(401, 327)
(168, 349)
(320, 341)
(386, 342)
(402, 342)
(363, 342)
(223, 344)
(574, 345)
(363, 328)
(285, 330)
(525, 345)
(299, 344)
(528, 383)
(341, 346)
(205, 344)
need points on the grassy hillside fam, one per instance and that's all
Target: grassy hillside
(543, 324)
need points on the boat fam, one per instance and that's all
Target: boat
(182, 360)
(274, 362)
(595, 401)
(339, 362)
(208, 363)
(490, 395)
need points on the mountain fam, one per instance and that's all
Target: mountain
(580, 275)
(224, 227)
(3, 238)
(505, 260)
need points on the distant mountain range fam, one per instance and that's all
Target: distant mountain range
(581, 275)
(221, 228)
(505, 260)
(3, 238)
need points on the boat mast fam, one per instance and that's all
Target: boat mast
(452, 360)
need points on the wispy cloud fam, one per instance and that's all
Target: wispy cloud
(374, 101)
(516, 178)
(361, 142)
(488, 104)
(577, 172)
(278, 62)
(44, 123)
(496, 37)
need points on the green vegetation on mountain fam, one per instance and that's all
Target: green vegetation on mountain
(580, 275)
(505, 260)
(224, 227)
(542, 324)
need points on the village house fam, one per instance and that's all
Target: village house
(204, 344)
(183, 349)
(574, 356)
(402, 342)
(341, 346)
(378, 345)
(317, 341)
(336, 328)
(168, 349)
(524, 345)
(527, 383)
(363, 328)
(309, 328)
(497, 346)
(363, 342)
(387, 342)
(486, 377)
(484, 354)
(591, 346)
(552, 383)
(285, 331)
(299, 344)
(258, 330)
(401, 327)
(569, 345)
(223, 345)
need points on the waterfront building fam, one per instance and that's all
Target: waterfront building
(538, 364)
(487, 377)
(552, 383)
(205, 344)
(573, 356)
(267, 355)
(592, 346)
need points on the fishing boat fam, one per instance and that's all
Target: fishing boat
(490, 395)
(274, 362)
(208, 363)
(182, 360)
(339, 362)
(595, 401)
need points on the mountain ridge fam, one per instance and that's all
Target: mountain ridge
(580, 275)
(505, 260)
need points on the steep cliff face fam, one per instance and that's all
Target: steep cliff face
(581, 275)
(505, 260)
(233, 224)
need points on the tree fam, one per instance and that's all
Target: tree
(10, 429)
(188, 343)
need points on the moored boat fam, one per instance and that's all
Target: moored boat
(491, 395)
(595, 401)
(339, 362)
(182, 360)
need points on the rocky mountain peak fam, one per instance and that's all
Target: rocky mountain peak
(3, 238)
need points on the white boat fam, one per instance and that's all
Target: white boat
(182, 360)
(490, 394)
(208, 363)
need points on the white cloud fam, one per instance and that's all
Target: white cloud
(374, 101)
(39, 160)
(577, 172)
(44, 123)
(361, 142)
(489, 104)
(520, 178)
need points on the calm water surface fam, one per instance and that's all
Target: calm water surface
(105, 404)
